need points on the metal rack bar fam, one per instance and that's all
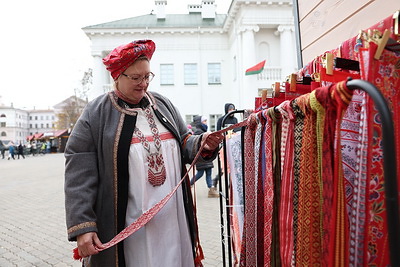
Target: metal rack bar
(225, 195)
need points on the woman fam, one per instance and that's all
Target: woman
(126, 152)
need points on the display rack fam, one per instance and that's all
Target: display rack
(390, 177)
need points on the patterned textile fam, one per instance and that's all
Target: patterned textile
(156, 172)
(261, 151)
(276, 171)
(298, 137)
(124, 55)
(263, 138)
(308, 231)
(354, 147)
(286, 203)
(320, 138)
(234, 160)
(384, 74)
(334, 100)
(249, 241)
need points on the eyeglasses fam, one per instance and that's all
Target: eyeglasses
(139, 79)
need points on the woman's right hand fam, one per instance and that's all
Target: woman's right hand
(88, 244)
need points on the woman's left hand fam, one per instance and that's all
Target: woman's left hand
(212, 140)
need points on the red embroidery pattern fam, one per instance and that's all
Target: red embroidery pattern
(156, 172)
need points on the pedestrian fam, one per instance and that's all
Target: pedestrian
(200, 122)
(11, 151)
(190, 128)
(20, 150)
(43, 148)
(48, 147)
(228, 121)
(127, 151)
(2, 149)
(33, 148)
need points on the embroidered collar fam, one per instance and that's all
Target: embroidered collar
(144, 102)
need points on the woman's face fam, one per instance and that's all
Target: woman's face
(134, 92)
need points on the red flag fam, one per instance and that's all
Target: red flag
(256, 69)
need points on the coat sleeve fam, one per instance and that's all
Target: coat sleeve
(81, 179)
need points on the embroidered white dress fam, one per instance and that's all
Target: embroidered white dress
(164, 240)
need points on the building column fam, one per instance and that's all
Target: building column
(287, 57)
(98, 75)
(249, 88)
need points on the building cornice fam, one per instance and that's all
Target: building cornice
(268, 19)
(112, 32)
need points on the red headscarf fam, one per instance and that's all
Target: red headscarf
(124, 55)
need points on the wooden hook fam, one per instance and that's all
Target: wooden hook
(329, 63)
(381, 44)
(293, 81)
(277, 89)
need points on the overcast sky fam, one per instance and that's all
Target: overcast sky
(44, 50)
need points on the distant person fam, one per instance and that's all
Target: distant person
(200, 122)
(11, 151)
(230, 120)
(33, 148)
(48, 147)
(21, 150)
(2, 149)
(190, 128)
(43, 148)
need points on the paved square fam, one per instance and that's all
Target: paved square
(32, 220)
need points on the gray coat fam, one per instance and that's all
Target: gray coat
(96, 170)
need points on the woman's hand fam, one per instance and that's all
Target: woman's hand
(88, 244)
(212, 140)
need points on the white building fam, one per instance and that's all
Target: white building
(18, 125)
(41, 121)
(201, 57)
(13, 124)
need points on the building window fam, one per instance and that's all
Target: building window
(30, 125)
(3, 124)
(2, 115)
(214, 73)
(30, 117)
(36, 126)
(41, 125)
(167, 74)
(47, 125)
(35, 118)
(190, 73)
(212, 124)
(3, 134)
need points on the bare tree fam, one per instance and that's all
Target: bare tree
(70, 112)
(86, 82)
